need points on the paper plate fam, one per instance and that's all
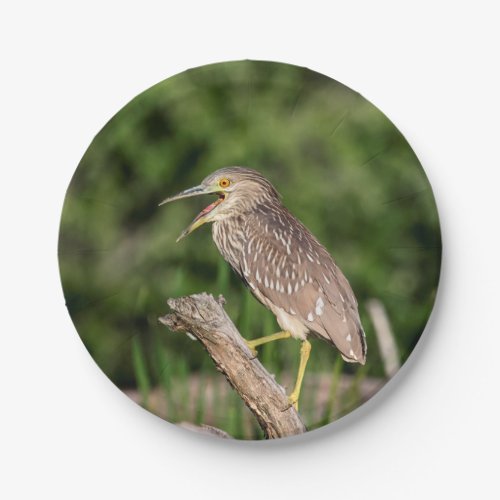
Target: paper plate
(342, 169)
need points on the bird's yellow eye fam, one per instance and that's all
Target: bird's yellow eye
(224, 183)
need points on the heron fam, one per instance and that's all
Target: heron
(283, 265)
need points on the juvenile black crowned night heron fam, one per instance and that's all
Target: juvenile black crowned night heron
(281, 262)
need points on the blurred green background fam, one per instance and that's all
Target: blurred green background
(341, 167)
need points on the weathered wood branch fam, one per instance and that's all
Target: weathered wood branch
(202, 316)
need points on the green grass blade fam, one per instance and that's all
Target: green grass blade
(331, 405)
(140, 370)
(164, 371)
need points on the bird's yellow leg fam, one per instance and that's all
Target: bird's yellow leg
(252, 344)
(305, 350)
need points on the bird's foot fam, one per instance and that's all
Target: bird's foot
(293, 399)
(251, 345)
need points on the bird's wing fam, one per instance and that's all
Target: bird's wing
(298, 275)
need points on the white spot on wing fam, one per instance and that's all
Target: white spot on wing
(348, 338)
(319, 306)
(310, 317)
(289, 289)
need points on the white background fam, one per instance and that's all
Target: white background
(67, 67)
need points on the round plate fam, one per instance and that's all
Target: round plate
(341, 167)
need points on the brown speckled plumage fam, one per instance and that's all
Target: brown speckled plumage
(284, 265)
(286, 268)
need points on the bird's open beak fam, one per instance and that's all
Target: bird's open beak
(187, 193)
(203, 216)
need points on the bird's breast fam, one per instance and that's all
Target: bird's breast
(229, 238)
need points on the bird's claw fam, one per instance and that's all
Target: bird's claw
(291, 404)
(252, 348)
(293, 399)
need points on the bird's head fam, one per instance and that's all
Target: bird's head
(238, 190)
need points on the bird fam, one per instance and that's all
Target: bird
(283, 265)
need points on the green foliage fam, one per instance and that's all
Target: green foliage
(140, 370)
(341, 167)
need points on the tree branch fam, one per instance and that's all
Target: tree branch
(202, 316)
